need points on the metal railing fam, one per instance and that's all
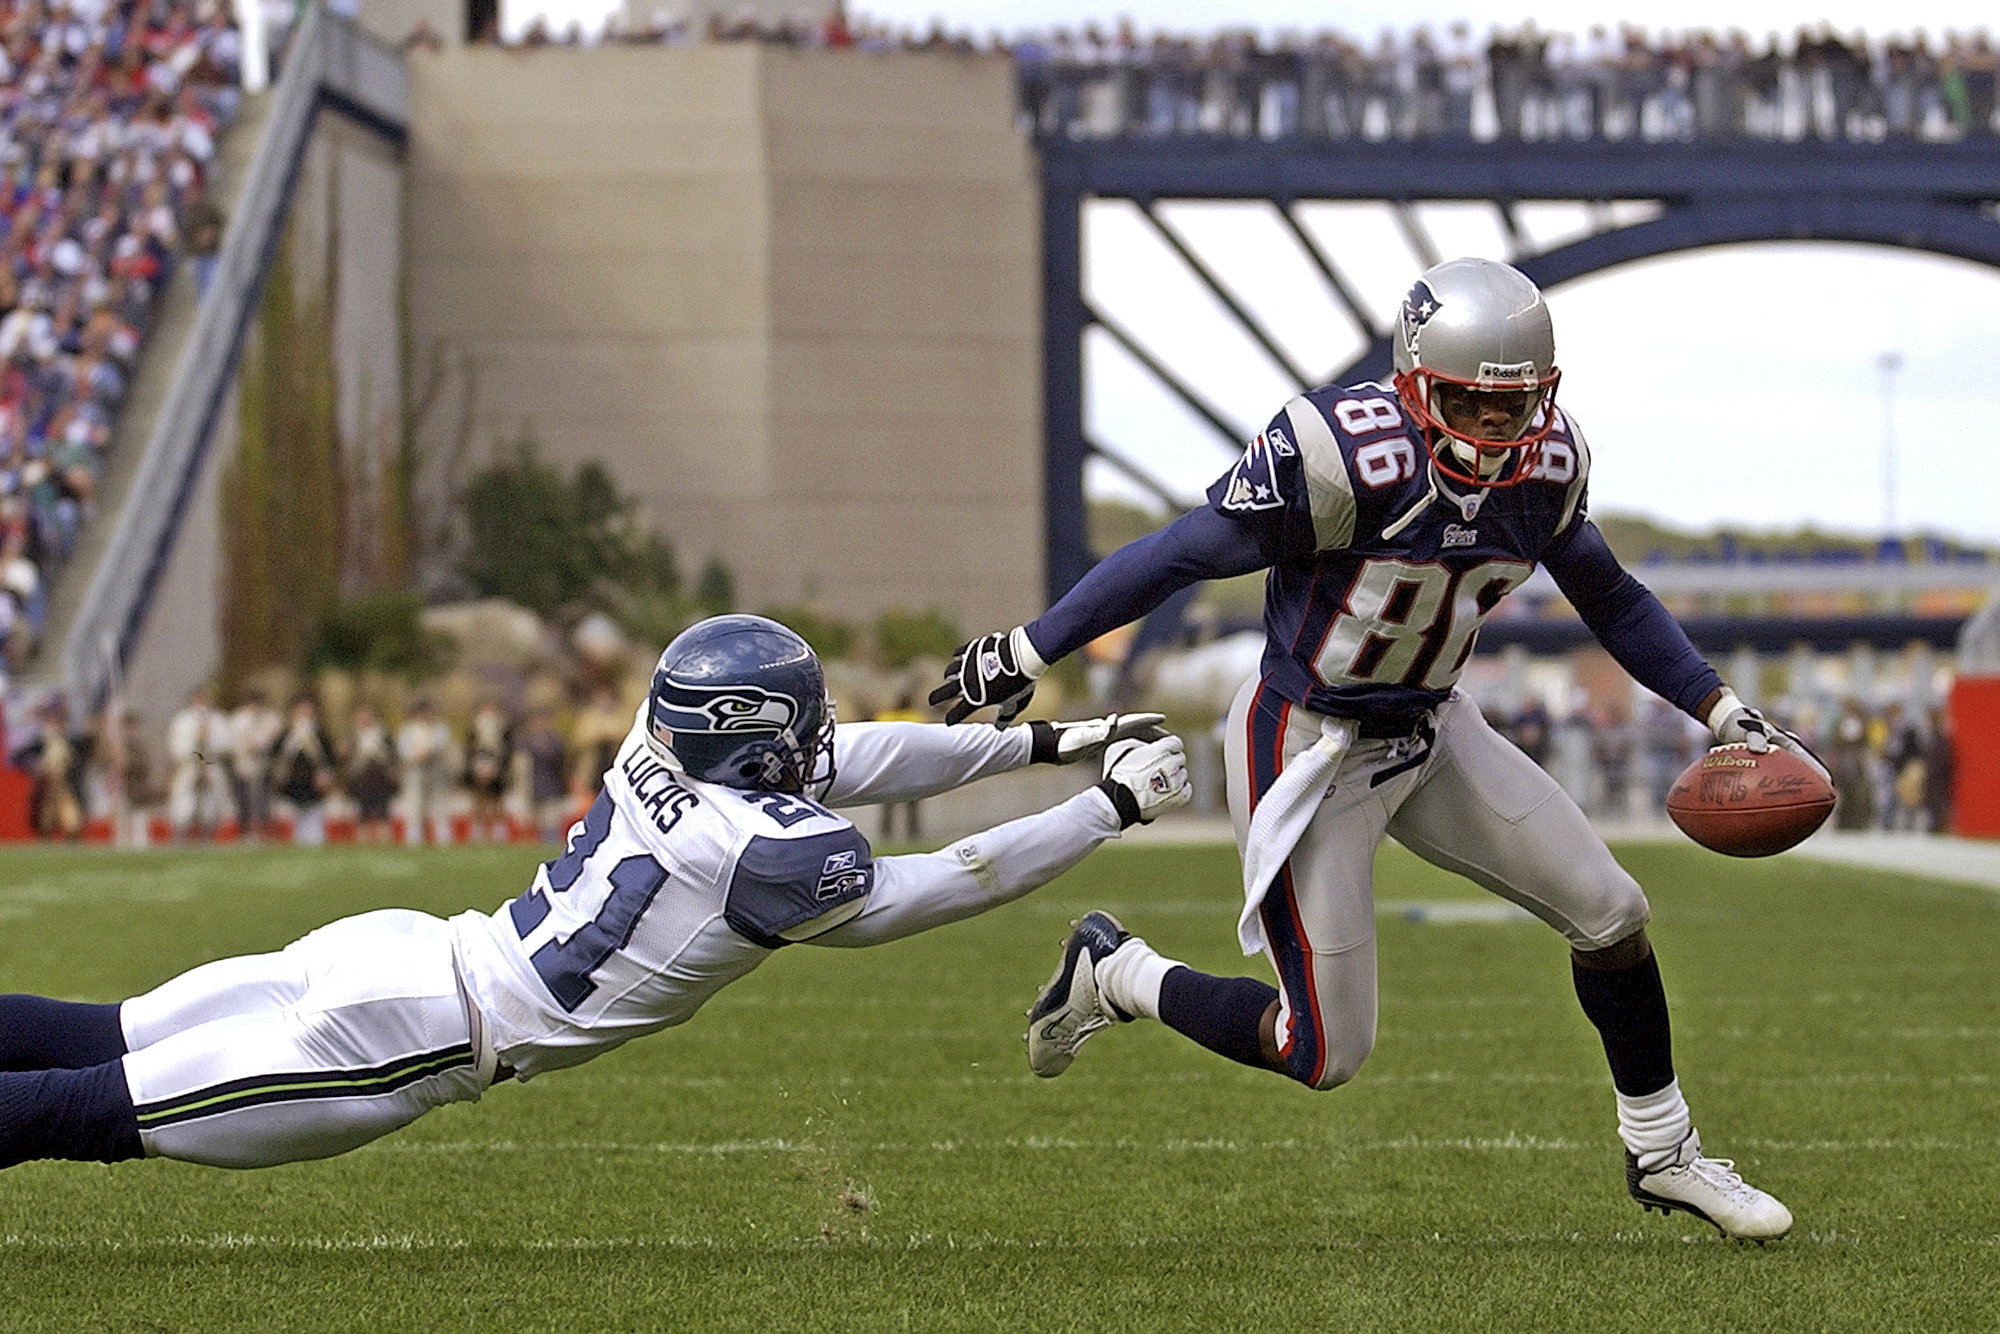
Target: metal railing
(328, 63)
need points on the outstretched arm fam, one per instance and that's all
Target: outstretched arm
(1629, 621)
(1650, 644)
(878, 762)
(1143, 779)
(908, 761)
(1142, 574)
(1001, 669)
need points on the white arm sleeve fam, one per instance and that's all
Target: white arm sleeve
(878, 762)
(915, 893)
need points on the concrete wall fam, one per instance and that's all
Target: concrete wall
(791, 298)
(345, 221)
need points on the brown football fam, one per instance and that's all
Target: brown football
(1736, 801)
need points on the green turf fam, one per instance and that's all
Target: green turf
(851, 1140)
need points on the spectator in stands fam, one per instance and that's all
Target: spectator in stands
(1667, 749)
(595, 734)
(198, 748)
(423, 748)
(1614, 746)
(254, 729)
(135, 781)
(1941, 774)
(1531, 729)
(1849, 763)
(302, 769)
(489, 759)
(905, 711)
(1906, 756)
(55, 758)
(369, 762)
(547, 759)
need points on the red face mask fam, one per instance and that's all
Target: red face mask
(1503, 423)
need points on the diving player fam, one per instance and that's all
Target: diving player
(712, 845)
(1392, 518)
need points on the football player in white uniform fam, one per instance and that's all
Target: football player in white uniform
(712, 845)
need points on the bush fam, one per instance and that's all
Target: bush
(830, 636)
(380, 632)
(557, 544)
(903, 636)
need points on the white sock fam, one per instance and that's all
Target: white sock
(1653, 1126)
(1130, 977)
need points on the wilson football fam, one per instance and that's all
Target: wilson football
(1734, 800)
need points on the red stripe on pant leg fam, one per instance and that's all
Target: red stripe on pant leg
(1291, 951)
(1284, 930)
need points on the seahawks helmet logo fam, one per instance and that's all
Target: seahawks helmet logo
(733, 708)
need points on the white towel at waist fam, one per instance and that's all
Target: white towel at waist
(1281, 818)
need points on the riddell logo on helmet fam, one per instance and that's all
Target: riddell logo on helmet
(1507, 370)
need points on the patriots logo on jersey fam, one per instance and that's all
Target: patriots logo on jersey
(733, 708)
(1253, 484)
(840, 876)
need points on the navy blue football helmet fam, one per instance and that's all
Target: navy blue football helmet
(741, 701)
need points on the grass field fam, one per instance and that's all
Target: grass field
(851, 1140)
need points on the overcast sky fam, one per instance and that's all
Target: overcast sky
(1742, 385)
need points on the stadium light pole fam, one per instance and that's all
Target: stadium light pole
(1889, 363)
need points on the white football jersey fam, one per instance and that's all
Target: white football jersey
(671, 888)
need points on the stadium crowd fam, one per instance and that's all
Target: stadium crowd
(1892, 766)
(110, 113)
(1612, 82)
(254, 771)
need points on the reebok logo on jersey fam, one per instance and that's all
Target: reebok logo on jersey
(1283, 446)
(1456, 536)
(840, 877)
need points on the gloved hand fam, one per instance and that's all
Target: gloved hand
(1067, 743)
(993, 669)
(1145, 779)
(1735, 723)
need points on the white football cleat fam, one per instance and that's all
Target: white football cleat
(1071, 1007)
(1710, 1189)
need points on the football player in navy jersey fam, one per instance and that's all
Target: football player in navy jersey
(1391, 519)
(713, 843)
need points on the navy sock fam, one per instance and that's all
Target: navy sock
(37, 1033)
(1628, 1006)
(82, 1115)
(1223, 1014)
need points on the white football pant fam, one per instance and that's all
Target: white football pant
(339, 1038)
(1475, 804)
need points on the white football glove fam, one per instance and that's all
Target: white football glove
(1067, 743)
(1735, 723)
(1145, 779)
(994, 669)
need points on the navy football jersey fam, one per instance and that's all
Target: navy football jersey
(1378, 585)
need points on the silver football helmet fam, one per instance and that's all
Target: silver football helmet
(1476, 368)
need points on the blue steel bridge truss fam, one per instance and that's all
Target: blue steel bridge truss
(1934, 197)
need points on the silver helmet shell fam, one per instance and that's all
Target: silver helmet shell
(1479, 330)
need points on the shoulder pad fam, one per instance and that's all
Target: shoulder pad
(786, 889)
(1328, 474)
(1577, 485)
